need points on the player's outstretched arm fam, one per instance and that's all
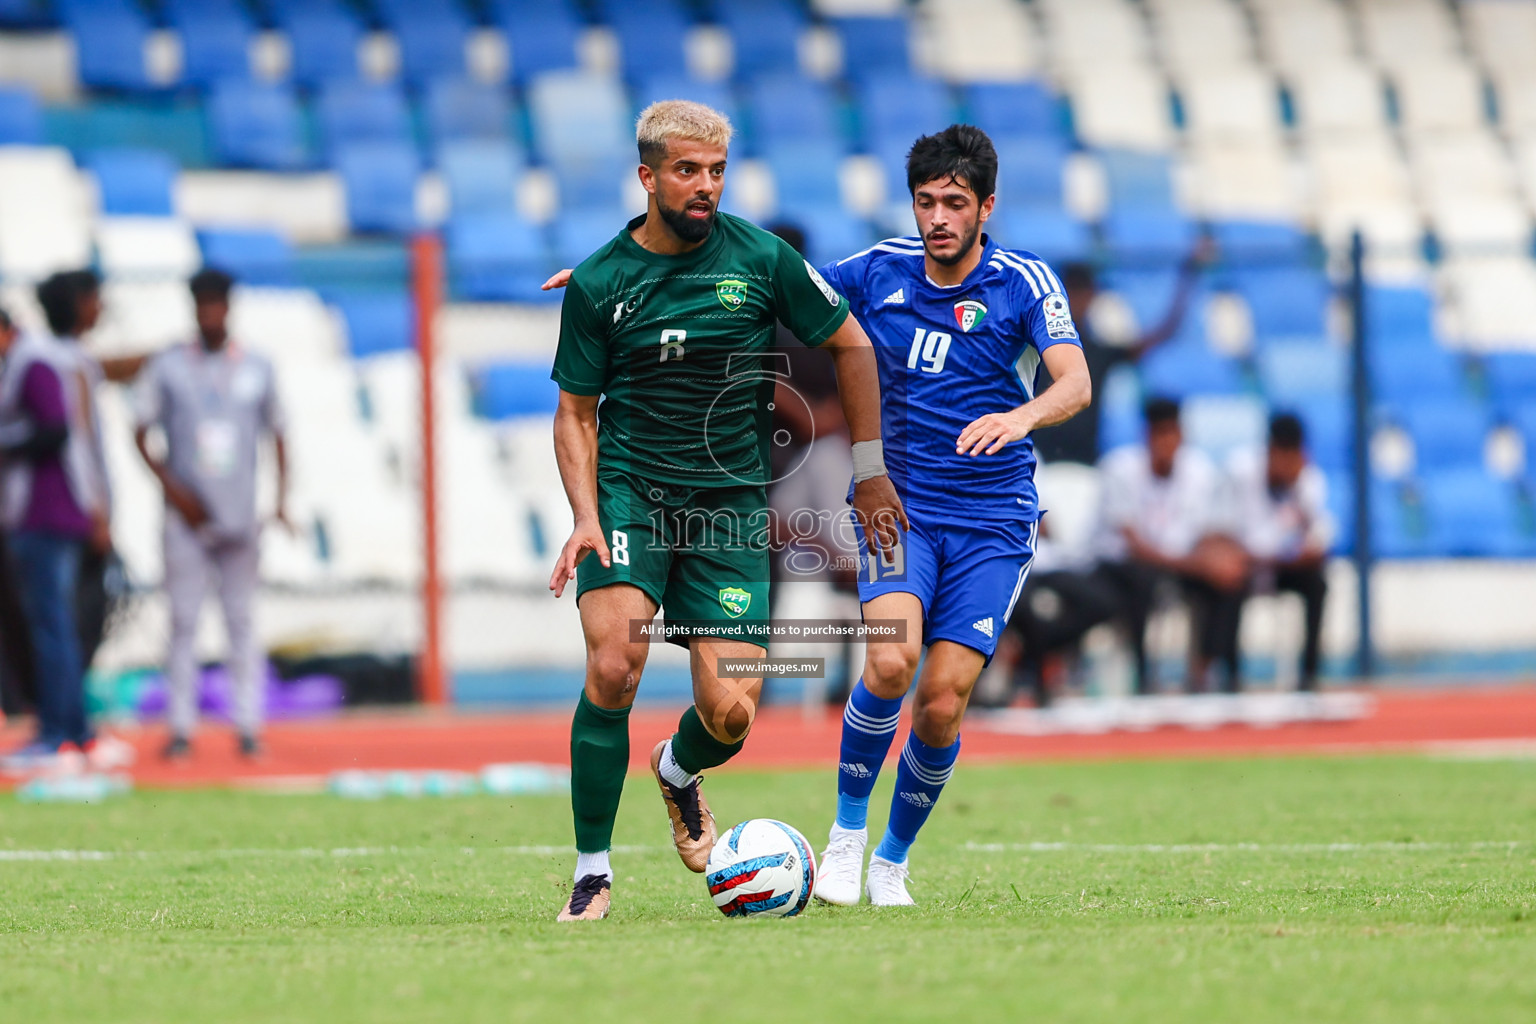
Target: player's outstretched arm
(875, 501)
(576, 454)
(1069, 395)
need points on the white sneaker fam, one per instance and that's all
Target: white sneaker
(887, 884)
(106, 753)
(842, 867)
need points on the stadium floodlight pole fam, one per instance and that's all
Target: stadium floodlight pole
(427, 289)
(1360, 393)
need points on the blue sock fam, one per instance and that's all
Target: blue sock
(869, 725)
(920, 777)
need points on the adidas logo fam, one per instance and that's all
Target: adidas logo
(896, 297)
(917, 799)
(858, 771)
(983, 625)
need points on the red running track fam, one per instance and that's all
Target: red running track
(1401, 721)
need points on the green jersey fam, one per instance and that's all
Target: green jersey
(680, 348)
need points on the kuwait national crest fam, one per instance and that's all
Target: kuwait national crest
(735, 600)
(732, 293)
(969, 313)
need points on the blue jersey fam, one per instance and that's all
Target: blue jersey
(949, 355)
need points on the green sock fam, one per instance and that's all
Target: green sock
(695, 749)
(599, 759)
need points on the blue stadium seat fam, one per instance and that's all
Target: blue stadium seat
(506, 390)
(1137, 180)
(1148, 236)
(215, 44)
(1029, 172)
(1267, 243)
(324, 44)
(1397, 529)
(542, 36)
(598, 182)
(790, 108)
(1149, 294)
(432, 38)
(1015, 110)
(1468, 512)
(1303, 370)
(21, 119)
(604, 129)
(498, 257)
(23, 14)
(252, 124)
(874, 46)
(899, 108)
(1431, 373)
(1285, 302)
(1399, 318)
(1511, 380)
(1523, 420)
(806, 174)
(134, 182)
(109, 42)
(578, 233)
(650, 36)
(253, 256)
(481, 175)
(1053, 234)
(457, 109)
(1329, 424)
(354, 112)
(831, 232)
(380, 178)
(765, 34)
(1181, 369)
(382, 321)
(1447, 433)
(677, 86)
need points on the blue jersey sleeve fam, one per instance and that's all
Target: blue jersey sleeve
(1048, 316)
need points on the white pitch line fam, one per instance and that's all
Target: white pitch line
(301, 852)
(1156, 848)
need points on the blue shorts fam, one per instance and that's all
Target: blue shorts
(967, 574)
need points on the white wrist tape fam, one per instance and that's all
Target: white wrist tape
(868, 460)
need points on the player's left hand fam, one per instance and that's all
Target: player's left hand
(992, 432)
(879, 510)
(560, 280)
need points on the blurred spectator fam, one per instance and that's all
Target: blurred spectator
(213, 402)
(55, 503)
(1077, 440)
(1278, 504)
(1159, 522)
(17, 685)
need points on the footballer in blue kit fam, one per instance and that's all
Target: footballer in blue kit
(960, 326)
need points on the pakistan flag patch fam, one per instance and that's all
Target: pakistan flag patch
(735, 600)
(969, 313)
(732, 294)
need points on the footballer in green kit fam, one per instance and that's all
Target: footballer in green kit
(662, 435)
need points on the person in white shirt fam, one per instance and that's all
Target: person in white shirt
(1277, 504)
(1160, 519)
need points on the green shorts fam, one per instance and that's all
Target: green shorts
(700, 553)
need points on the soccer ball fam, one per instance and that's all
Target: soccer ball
(761, 868)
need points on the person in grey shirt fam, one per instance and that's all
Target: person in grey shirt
(213, 401)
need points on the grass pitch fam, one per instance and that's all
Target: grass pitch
(1289, 890)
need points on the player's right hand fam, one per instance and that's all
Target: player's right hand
(586, 537)
(560, 280)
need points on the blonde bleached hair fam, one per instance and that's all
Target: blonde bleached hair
(679, 119)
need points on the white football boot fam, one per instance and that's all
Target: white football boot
(842, 867)
(887, 884)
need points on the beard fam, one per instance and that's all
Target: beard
(967, 243)
(689, 229)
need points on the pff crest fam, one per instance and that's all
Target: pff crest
(735, 601)
(969, 313)
(731, 293)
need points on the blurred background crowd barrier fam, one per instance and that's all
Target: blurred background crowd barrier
(302, 145)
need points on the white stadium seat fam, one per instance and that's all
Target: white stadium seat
(1400, 33)
(1298, 35)
(1494, 299)
(1344, 98)
(1464, 163)
(1480, 225)
(1195, 34)
(45, 213)
(952, 48)
(1362, 183)
(1121, 105)
(1516, 92)
(308, 209)
(1442, 95)
(484, 522)
(1097, 33)
(137, 506)
(288, 324)
(146, 247)
(1243, 181)
(140, 315)
(1501, 32)
(1229, 104)
(1525, 164)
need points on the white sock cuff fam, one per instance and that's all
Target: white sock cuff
(671, 770)
(592, 864)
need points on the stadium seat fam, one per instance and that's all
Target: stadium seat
(481, 176)
(354, 112)
(215, 44)
(578, 233)
(1030, 172)
(432, 39)
(1142, 237)
(873, 46)
(598, 182)
(380, 180)
(1263, 242)
(323, 44)
(1181, 369)
(1008, 110)
(1341, 99)
(789, 108)
(1439, 95)
(1051, 233)
(1467, 512)
(899, 108)
(377, 321)
(604, 130)
(43, 213)
(253, 256)
(1447, 432)
(497, 256)
(1149, 294)
(1399, 315)
(831, 232)
(806, 174)
(674, 86)
(21, 119)
(1221, 425)
(506, 390)
(1511, 381)
(1329, 423)
(1120, 106)
(1284, 302)
(1405, 376)
(1235, 103)
(1302, 371)
(457, 109)
(1137, 180)
(109, 43)
(1397, 527)
(541, 36)
(134, 181)
(650, 36)
(765, 34)
(255, 125)
(141, 248)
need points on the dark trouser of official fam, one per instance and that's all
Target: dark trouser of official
(1307, 581)
(1053, 613)
(18, 681)
(1210, 608)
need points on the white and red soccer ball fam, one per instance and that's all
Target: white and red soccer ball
(761, 868)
